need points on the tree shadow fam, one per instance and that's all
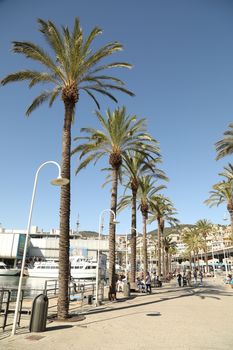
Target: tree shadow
(56, 328)
(201, 292)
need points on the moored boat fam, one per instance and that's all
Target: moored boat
(7, 271)
(80, 268)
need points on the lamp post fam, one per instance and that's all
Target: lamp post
(213, 259)
(225, 260)
(101, 218)
(59, 181)
(126, 256)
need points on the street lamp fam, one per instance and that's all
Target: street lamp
(126, 256)
(224, 255)
(59, 181)
(101, 218)
(213, 260)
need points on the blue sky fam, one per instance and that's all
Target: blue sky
(182, 53)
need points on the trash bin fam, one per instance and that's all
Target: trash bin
(126, 289)
(39, 314)
(89, 299)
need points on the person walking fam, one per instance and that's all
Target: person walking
(184, 280)
(195, 276)
(179, 277)
(201, 277)
(189, 277)
(148, 283)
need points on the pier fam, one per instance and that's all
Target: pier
(170, 318)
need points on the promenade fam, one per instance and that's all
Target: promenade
(170, 318)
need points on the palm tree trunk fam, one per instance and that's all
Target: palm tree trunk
(159, 249)
(206, 261)
(190, 260)
(144, 236)
(64, 243)
(166, 263)
(198, 262)
(112, 235)
(194, 259)
(169, 262)
(163, 260)
(133, 239)
(231, 218)
(206, 257)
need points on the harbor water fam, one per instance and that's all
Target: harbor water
(32, 286)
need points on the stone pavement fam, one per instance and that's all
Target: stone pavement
(169, 318)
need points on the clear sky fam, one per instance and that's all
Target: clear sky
(182, 53)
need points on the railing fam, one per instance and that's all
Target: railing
(7, 296)
(81, 294)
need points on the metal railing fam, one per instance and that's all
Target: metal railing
(7, 296)
(81, 295)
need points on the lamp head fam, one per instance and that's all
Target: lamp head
(60, 181)
(115, 222)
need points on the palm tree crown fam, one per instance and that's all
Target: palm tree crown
(224, 147)
(74, 66)
(120, 133)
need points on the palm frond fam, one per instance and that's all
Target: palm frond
(93, 97)
(101, 91)
(37, 54)
(43, 97)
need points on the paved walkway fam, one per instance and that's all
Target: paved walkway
(170, 318)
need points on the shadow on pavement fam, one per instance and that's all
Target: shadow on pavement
(203, 292)
(56, 328)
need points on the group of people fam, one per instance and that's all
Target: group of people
(144, 285)
(186, 278)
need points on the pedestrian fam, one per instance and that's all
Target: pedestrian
(179, 277)
(189, 277)
(184, 280)
(201, 277)
(148, 283)
(195, 276)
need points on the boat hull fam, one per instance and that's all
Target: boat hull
(9, 272)
(54, 274)
(80, 268)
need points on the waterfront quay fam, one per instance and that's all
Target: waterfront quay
(170, 318)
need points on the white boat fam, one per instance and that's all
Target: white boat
(6, 271)
(80, 267)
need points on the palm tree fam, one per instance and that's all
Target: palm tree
(172, 250)
(134, 166)
(192, 239)
(121, 133)
(169, 246)
(224, 147)
(222, 193)
(147, 190)
(204, 227)
(162, 209)
(74, 67)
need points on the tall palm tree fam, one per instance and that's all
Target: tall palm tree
(192, 239)
(204, 227)
(171, 252)
(147, 190)
(73, 67)
(222, 193)
(120, 133)
(169, 246)
(134, 166)
(162, 209)
(224, 147)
